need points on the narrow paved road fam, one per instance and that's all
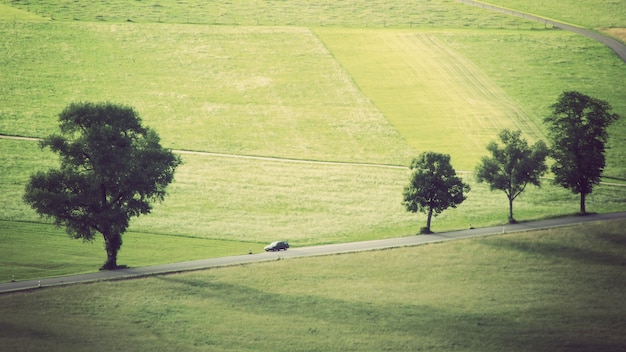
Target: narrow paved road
(617, 47)
(301, 252)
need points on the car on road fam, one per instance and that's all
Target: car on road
(277, 246)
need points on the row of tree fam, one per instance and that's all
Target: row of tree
(112, 168)
(577, 129)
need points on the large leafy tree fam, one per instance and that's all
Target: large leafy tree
(111, 169)
(578, 132)
(433, 186)
(512, 165)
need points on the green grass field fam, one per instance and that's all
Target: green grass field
(586, 13)
(326, 93)
(354, 82)
(302, 13)
(554, 290)
(249, 202)
(283, 95)
(32, 250)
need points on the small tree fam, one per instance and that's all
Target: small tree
(433, 186)
(578, 132)
(513, 167)
(111, 169)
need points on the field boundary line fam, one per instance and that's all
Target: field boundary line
(290, 160)
(251, 157)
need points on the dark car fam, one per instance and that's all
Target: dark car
(277, 246)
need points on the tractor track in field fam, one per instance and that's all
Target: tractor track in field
(477, 86)
(618, 48)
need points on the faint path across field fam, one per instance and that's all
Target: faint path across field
(287, 160)
(615, 45)
(130, 273)
(252, 157)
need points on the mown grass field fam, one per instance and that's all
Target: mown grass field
(433, 95)
(326, 93)
(553, 290)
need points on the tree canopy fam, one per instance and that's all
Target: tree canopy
(513, 166)
(111, 169)
(433, 186)
(577, 129)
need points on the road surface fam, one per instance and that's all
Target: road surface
(129, 273)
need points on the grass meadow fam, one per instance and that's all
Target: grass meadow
(295, 121)
(304, 203)
(377, 95)
(245, 90)
(553, 290)
(302, 13)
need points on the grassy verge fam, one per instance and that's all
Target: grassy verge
(38, 250)
(308, 203)
(556, 290)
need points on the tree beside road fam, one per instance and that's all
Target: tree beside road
(433, 186)
(111, 169)
(577, 129)
(512, 166)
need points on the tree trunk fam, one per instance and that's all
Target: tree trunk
(112, 245)
(430, 216)
(511, 219)
(583, 210)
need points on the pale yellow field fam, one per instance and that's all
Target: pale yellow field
(436, 98)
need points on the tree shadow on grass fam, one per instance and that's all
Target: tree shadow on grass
(593, 255)
(324, 323)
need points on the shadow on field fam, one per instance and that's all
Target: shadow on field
(614, 255)
(324, 323)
